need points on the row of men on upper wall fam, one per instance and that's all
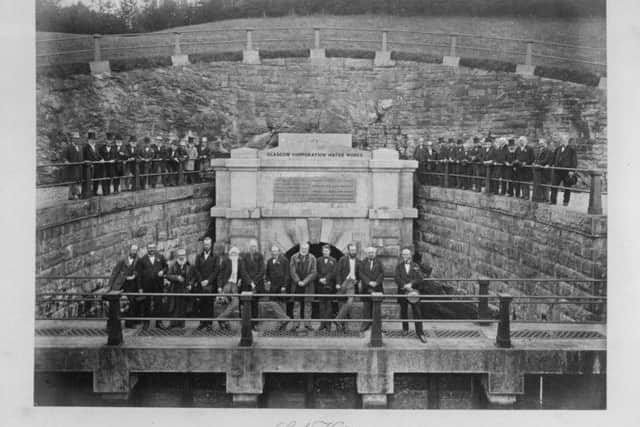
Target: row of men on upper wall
(508, 161)
(215, 272)
(160, 158)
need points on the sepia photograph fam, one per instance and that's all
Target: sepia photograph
(321, 204)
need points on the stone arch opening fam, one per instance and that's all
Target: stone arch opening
(315, 249)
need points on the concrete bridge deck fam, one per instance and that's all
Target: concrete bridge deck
(452, 347)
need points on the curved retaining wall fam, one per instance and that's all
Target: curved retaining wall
(473, 235)
(238, 101)
(77, 238)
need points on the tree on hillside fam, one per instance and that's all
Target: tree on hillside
(127, 11)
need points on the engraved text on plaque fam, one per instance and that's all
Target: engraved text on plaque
(314, 190)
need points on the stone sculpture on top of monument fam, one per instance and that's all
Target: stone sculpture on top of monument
(316, 188)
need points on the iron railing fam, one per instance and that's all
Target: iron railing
(61, 300)
(97, 47)
(493, 178)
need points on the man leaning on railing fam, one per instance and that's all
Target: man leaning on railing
(123, 277)
(565, 157)
(73, 173)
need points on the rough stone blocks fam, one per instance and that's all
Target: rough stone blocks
(100, 67)
(383, 59)
(179, 60)
(251, 57)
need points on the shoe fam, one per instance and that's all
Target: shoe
(283, 326)
(202, 326)
(404, 333)
(422, 338)
(364, 328)
(161, 325)
(565, 203)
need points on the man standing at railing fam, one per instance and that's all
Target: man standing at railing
(371, 277)
(495, 161)
(202, 165)
(277, 279)
(443, 156)
(419, 154)
(326, 285)
(123, 278)
(109, 155)
(565, 157)
(254, 264)
(207, 267)
(509, 168)
(73, 173)
(121, 156)
(190, 164)
(90, 154)
(152, 269)
(476, 161)
(457, 157)
(233, 279)
(408, 278)
(145, 155)
(543, 161)
(347, 275)
(131, 165)
(303, 272)
(466, 166)
(525, 158)
(182, 277)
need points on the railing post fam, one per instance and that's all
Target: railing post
(595, 193)
(87, 187)
(249, 39)
(136, 175)
(177, 50)
(503, 338)
(487, 179)
(316, 34)
(446, 174)
(246, 339)
(114, 327)
(181, 172)
(483, 303)
(452, 50)
(536, 184)
(376, 321)
(384, 40)
(527, 59)
(96, 47)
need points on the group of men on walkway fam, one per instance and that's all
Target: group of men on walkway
(510, 166)
(303, 275)
(157, 162)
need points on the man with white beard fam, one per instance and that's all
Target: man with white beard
(233, 280)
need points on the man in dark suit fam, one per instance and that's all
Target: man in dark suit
(109, 156)
(207, 267)
(254, 263)
(182, 277)
(90, 154)
(123, 278)
(326, 285)
(457, 158)
(408, 278)
(347, 277)
(509, 169)
(443, 157)
(475, 156)
(145, 154)
(130, 168)
(122, 154)
(152, 269)
(277, 279)
(371, 277)
(202, 165)
(543, 161)
(73, 173)
(564, 157)
(303, 272)
(524, 174)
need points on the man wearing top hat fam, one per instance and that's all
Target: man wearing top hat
(73, 173)
(202, 165)
(565, 157)
(109, 156)
(524, 174)
(130, 167)
(476, 164)
(91, 155)
(543, 161)
(509, 168)
(122, 154)
(145, 154)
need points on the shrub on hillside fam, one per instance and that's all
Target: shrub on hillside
(568, 75)
(416, 57)
(215, 57)
(350, 53)
(284, 53)
(488, 64)
(118, 65)
(63, 70)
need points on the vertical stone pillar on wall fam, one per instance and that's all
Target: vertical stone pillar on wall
(383, 56)
(111, 377)
(505, 380)
(178, 58)
(452, 60)
(317, 54)
(243, 382)
(376, 383)
(527, 68)
(249, 54)
(98, 66)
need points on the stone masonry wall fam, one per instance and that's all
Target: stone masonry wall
(85, 238)
(238, 102)
(473, 235)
